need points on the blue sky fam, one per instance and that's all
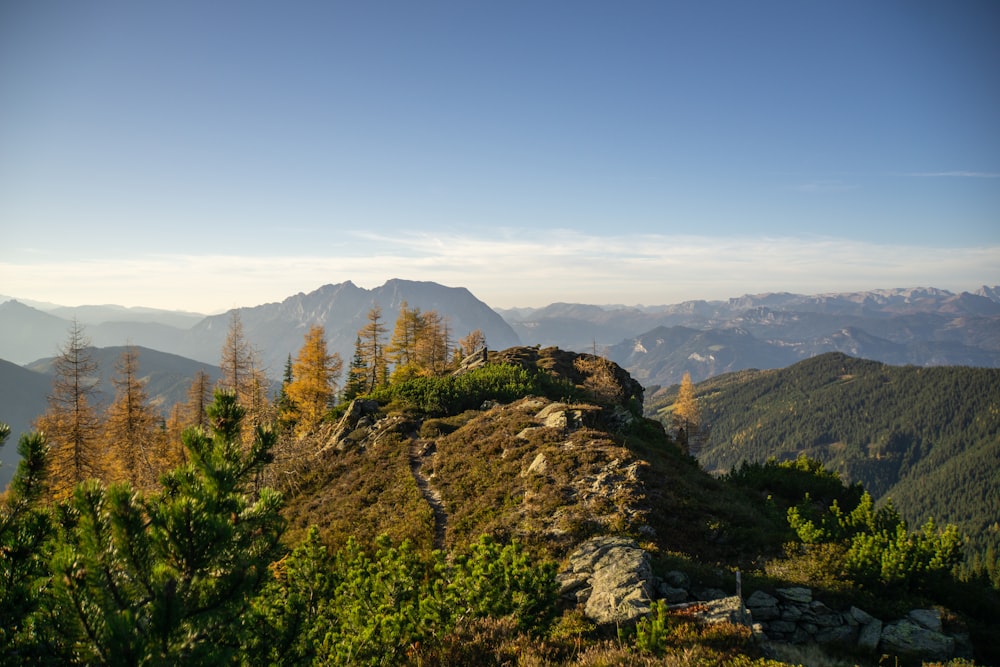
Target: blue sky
(202, 156)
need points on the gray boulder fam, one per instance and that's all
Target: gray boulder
(795, 594)
(861, 616)
(763, 607)
(677, 579)
(927, 618)
(870, 635)
(906, 638)
(724, 610)
(619, 579)
(839, 634)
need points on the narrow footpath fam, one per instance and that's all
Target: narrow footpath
(421, 452)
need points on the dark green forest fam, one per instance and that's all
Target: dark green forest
(926, 438)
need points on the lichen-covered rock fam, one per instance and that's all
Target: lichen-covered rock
(538, 466)
(907, 638)
(619, 579)
(861, 616)
(356, 412)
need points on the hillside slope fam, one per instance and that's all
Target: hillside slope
(165, 377)
(550, 469)
(929, 438)
(23, 396)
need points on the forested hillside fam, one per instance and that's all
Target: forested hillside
(929, 438)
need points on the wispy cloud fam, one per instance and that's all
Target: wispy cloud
(956, 174)
(513, 267)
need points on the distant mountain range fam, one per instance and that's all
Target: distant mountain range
(919, 326)
(657, 344)
(274, 329)
(278, 329)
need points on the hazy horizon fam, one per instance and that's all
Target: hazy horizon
(46, 305)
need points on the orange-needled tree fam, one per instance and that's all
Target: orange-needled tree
(71, 424)
(313, 387)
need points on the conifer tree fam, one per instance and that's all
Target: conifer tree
(129, 427)
(190, 414)
(237, 359)
(283, 407)
(356, 374)
(433, 344)
(25, 527)
(174, 428)
(599, 379)
(167, 579)
(259, 409)
(475, 340)
(314, 384)
(199, 397)
(372, 349)
(402, 349)
(242, 373)
(71, 424)
(686, 417)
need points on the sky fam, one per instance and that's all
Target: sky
(207, 155)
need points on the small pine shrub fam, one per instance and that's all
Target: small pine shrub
(651, 631)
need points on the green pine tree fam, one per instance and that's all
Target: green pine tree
(166, 579)
(356, 374)
(25, 528)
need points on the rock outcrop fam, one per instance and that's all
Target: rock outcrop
(611, 577)
(359, 413)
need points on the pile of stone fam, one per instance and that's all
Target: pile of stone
(792, 615)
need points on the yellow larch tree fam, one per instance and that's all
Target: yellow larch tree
(314, 381)
(686, 416)
(433, 343)
(190, 414)
(242, 373)
(371, 347)
(474, 341)
(199, 397)
(71, 424)
(401, 351)
(130, 427)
